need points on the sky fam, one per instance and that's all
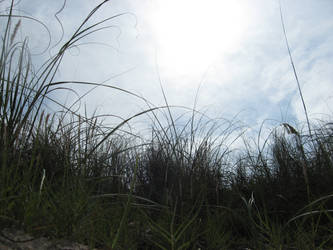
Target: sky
(228, 58)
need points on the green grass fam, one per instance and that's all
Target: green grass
(65, 175)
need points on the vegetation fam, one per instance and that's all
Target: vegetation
(65, 175)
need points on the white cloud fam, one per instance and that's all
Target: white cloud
(255, 78)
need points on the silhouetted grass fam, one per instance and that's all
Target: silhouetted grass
(65, 175)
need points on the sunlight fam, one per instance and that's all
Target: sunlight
(191, 34)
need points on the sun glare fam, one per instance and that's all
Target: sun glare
(190, 34)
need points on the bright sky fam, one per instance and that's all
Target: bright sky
(191, 35)
(235, 50)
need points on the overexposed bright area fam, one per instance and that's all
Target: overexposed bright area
(191, 34)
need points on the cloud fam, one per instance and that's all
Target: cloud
(255, 79)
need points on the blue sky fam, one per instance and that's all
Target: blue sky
(235, 52)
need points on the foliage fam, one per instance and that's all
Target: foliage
(65, 175)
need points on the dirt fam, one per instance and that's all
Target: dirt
(14, 239)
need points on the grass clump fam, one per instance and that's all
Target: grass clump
(65, 175)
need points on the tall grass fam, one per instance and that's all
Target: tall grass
(65, 175)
